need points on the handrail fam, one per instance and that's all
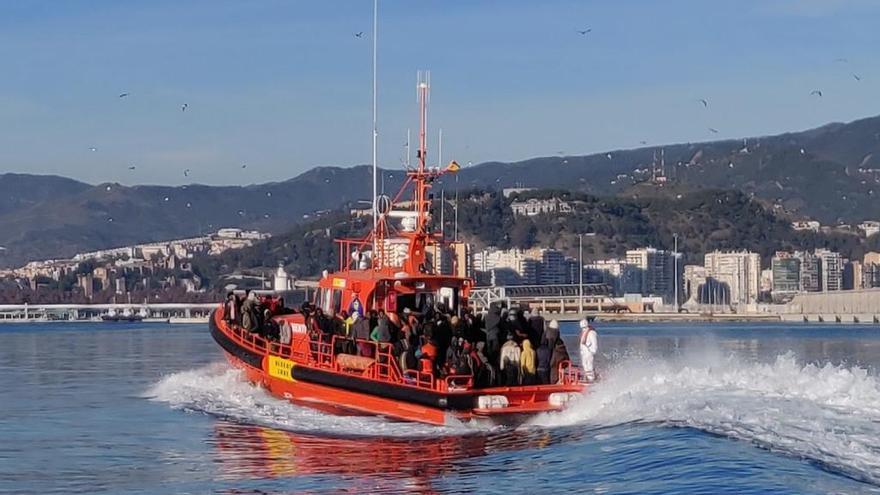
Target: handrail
(321, 354)
(571, 374)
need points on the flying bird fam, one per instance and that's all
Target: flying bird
(713, 130)
(584, 32)
(123, 95)
(93, 149)
(841, 60)
(359, 34)
(704, 101)
(186, 173)
(243, 165)
(857, 77)
(183, 107)
(643, 142)
(816, 92)
(131, 167)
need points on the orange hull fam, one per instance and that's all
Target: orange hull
(320, 384)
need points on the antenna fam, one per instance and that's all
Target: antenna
(663, 162)
(375, 116)
(440, 149)
(408, 152)
(654, 168)
(442, 214)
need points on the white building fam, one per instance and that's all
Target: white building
(533, 206)
(806, 225)
(831, 270)
(282, 281)
(657, 273)
(739, 271)
(508, 191)
(870, 227)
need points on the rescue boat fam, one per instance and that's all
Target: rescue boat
(393, 267)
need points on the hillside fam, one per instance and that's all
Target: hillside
(831, 173)
(52, 219)
(705, 220)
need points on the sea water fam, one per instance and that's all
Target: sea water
(727, 408)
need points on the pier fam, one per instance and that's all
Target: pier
(170, 312)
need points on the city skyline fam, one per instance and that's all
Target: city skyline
(282, 87)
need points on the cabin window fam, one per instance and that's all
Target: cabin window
(449, 297)
(406, 301)
(336, 301)
(326, 295)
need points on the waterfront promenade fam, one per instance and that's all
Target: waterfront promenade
(170, 312)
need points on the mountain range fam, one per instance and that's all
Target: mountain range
(831, 174)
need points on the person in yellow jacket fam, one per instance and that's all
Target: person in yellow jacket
(527, 363)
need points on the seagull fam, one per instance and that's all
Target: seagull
(816, 92)
(131, 167)
(167, 198)
(93, 149)
(713, 130)
(857, 77)
(243, 165)
(359, 34)
(704, 101)
(186, 173)
(608, 156)
(268, 194)
(640, 142)
(241, 212)
(123, 95)
(110, 219)
(841, 60)
(188, 204)
(584, 32)
(183, 107)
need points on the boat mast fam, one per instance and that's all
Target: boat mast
(375, 119)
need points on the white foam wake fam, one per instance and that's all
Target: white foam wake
(825, 413)
(220, 390)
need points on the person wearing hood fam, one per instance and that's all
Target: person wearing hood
(516, 325)
(551, 334)
(487, 376)
(527, 363)
(493, 333)
(588, 346)
(560, 354)
(250, 312)
(360, 329)
(536, 324)
(510, 354)
(543, 355)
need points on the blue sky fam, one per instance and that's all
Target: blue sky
(284, 86)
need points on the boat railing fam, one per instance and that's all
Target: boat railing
(322, 354)
(571, 374)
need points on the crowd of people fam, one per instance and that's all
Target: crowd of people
(499, 347)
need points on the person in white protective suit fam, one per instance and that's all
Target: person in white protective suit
(589, 346)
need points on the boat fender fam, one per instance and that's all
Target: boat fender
(285, 333)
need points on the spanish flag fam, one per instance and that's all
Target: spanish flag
(453, 167)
